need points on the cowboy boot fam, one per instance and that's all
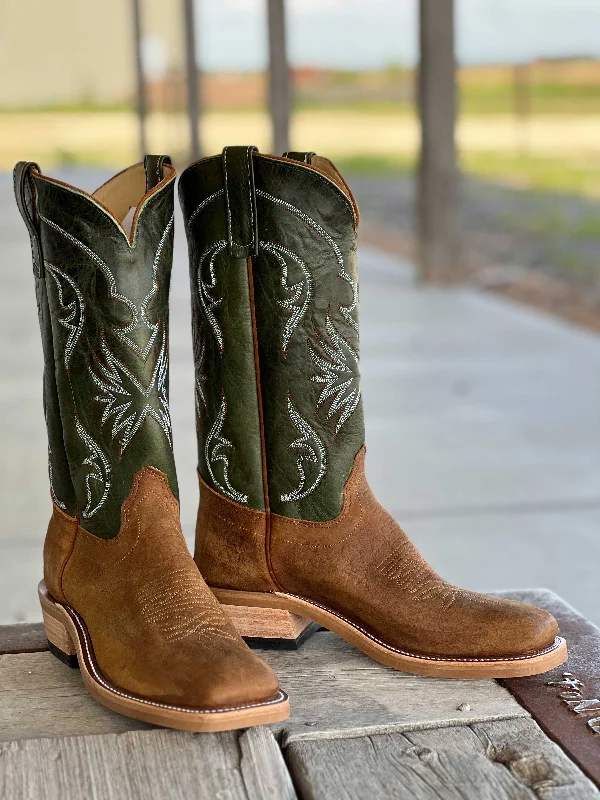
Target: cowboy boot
(287, 519)
(121, 594)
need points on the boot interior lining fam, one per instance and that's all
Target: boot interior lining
(328, 168)
(126, 190)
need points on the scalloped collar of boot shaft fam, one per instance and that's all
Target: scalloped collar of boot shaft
(129, 189)
(319, 164)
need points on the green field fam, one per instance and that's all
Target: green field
(561, 174)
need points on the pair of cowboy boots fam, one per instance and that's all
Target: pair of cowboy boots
(286, 519)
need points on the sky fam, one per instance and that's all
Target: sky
(363, 34)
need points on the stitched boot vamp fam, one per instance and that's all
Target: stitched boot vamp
(363, 566)
(156, 628)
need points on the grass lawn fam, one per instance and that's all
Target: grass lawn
(564, 174)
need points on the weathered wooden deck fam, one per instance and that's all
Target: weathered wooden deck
(357, 730)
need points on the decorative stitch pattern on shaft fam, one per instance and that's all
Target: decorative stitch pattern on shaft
(215, 451)
(347, 311)
(200, 376)
(311, 451)
(73, 313)
(99, 471)
(136, 313)
(55, 499)
(298, 295)
(207, 201)
(206, 289)
(338, 374)
(126, 400)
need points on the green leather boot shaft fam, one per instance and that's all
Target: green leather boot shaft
(105, 333)
(61, 486)
(306, 312)
(227, 413)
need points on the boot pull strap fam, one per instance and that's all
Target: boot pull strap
(154, 170)
(25, 196)
(240, 201)
(295, 155)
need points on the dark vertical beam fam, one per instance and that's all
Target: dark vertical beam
(191, 65)
(139, 75)
(280, 94)
(438, 173)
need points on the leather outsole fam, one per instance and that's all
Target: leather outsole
(434, 666)
(69, 638)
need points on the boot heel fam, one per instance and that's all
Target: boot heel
(270, 628)
(60, 641)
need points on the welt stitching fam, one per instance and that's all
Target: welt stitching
(82, 631)
(558, 640)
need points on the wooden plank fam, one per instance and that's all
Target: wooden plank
(334, 689)
(500, 760)
(24, 637)
(142, 764)
(566, 701)
(263, 769)
(280, 92)
(40, 696)
(438, 176)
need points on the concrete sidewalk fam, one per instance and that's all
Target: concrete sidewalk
(483, 427)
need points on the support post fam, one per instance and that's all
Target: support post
(193, 96)
(139, 75)
(438, 174)
(279, 77)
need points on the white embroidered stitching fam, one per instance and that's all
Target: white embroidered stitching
(281, 696)
(110, 382)
(207, 301)
(58, 502)
(346, 311)
(100, 470)
(152, 326)
(312, 451)
(218, 454)
(200, 376)
(336, 375)
(294, 292)
(123, 332)
(203, 205)
(78, 305)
